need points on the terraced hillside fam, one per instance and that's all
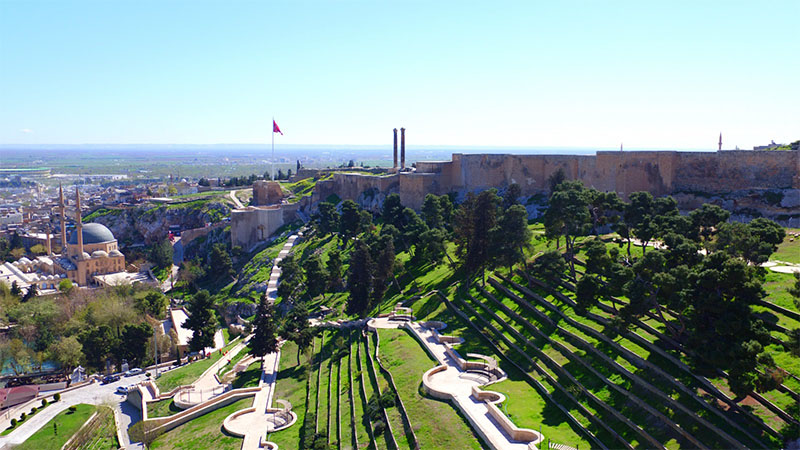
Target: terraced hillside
(346, 397)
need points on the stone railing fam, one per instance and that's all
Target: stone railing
(491, 400)
(188, 398)
(164, 424)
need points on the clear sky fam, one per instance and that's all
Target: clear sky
(531, 73)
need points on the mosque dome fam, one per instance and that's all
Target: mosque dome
(93, 233)
(115, 253)
(99, 254)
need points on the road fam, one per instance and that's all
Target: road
(235, 199)
(95, 394)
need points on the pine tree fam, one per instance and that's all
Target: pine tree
(315, 275)
(201, 321)
(360, 280)
(265, 334)
(334, 266)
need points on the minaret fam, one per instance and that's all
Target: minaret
(79, 222)
(720, 142)
(47, 237)
(63, 221)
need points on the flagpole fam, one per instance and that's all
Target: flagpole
(273, 148)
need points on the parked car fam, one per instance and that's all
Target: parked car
(132, 372)
(122, 390)
(110, 379)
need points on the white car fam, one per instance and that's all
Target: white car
(133, 372)
(122, 390)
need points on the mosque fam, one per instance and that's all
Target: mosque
(90, 252)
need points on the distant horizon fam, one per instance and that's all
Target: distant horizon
(520, 74)
(281, 147)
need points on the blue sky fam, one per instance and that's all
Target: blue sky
(532, 73)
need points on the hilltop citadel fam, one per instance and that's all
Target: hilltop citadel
(747, 183)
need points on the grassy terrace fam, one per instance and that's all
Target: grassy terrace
(361, 422)
(525, 404)
(381, 388)
(344, 411)
(588, 403)
(323, 380)
(720, 383)
(292, 385)
(670, 370)
(189, 373)
(162, 408)
(656, 389)
(405, 358)
(67, 423)
(204, 431)
(382, 440)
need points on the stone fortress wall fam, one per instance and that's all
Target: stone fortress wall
(658, 172)
(736, 180)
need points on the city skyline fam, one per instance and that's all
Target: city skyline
(525, 75)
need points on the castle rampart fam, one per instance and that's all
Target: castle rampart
(658, 172)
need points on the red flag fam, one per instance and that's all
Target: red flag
(275, 128)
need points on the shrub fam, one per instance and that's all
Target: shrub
(33, 410)
(379, 427)
(44, 402)
(388, 399)
(57, 397)
(73, 408)
(22, 417)
(13, 423)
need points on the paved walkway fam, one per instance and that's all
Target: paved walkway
(93, 394)
(235, 199)
(782, 266)
(275, 275)
(459, 385)
(256, 424)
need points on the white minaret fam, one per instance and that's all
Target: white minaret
(79, 222)
(62, 209)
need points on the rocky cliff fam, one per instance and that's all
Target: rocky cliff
(148, 223)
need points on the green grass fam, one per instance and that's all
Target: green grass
(189, 373)
(67, 424)
(249, 378)
(788, 251)
(162, 408)
(204, 432)
(39, 407)
(524, 405)
(404, 357)
(105, 435)
(291, 386)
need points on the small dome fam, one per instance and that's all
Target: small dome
(84, 255)
(99, 254)
(93, 233)
(115, 253)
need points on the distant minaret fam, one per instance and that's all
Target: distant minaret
(620, 146)
(63, 221)
(720, 142)
(49, 246)
(79, 221)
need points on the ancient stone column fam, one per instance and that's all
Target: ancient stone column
(395, 149)
(402, 148)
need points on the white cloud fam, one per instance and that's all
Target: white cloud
(26, 130)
